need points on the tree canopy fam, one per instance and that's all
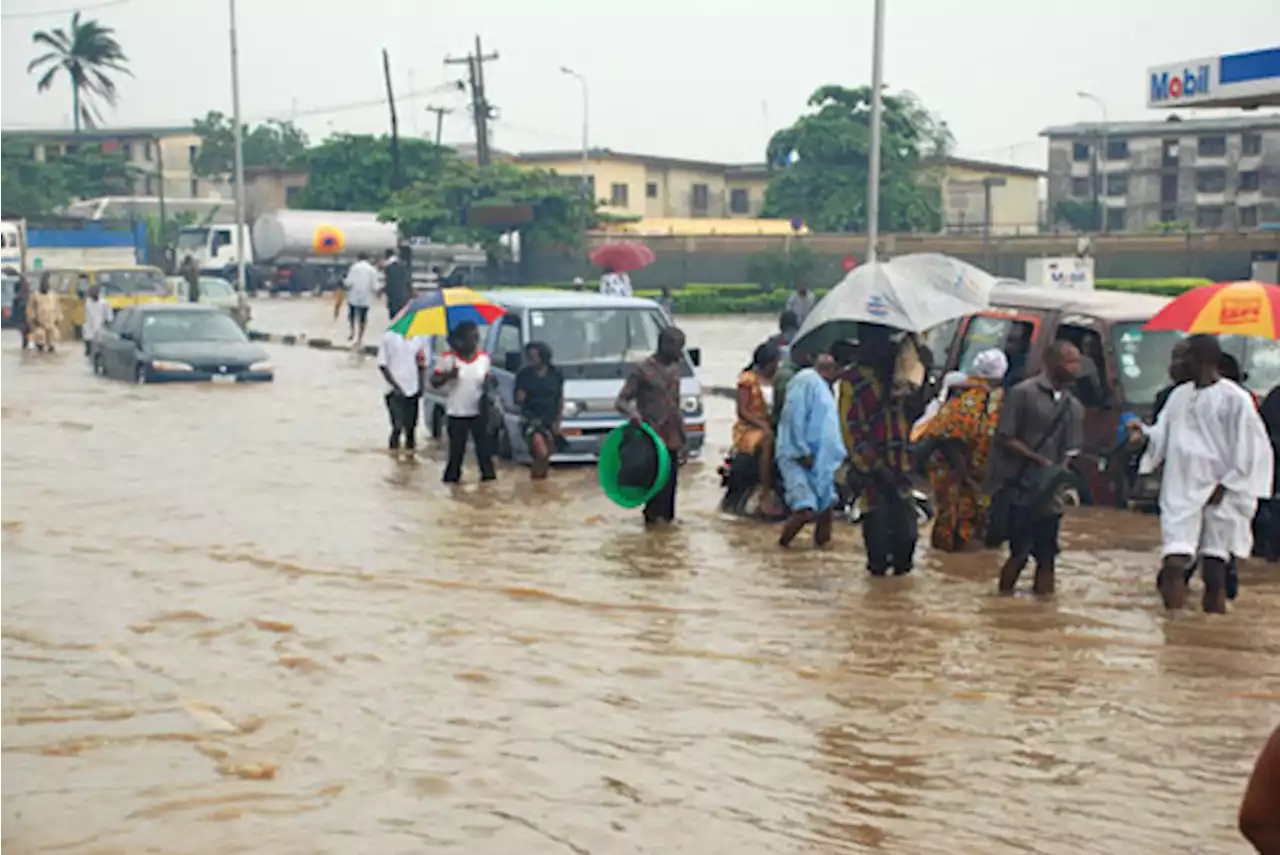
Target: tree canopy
(275, 143)
(86, 53)
(821, 163)
(32, 187)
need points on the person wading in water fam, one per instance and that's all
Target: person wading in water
(540, 396)
(464, 372)
(652, 395)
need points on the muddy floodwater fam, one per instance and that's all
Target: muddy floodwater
(232, 624)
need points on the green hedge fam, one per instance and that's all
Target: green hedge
(1170, 287)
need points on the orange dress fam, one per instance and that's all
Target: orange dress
(747, 437)
(970, 418)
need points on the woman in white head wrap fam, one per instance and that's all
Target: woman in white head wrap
(960, 436)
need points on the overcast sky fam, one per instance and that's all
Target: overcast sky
(703, 79)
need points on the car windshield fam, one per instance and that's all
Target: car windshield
(212, 286)
(192, 239)
(131, 282)
(1143, 360)
(162, 327)
(597, 336)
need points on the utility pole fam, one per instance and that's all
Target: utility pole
(440, 112)
(397, 176)
(877, 100)
(481, 110)
(242, 234)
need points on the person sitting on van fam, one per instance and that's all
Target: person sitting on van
(97, 314)
(753, 434)
(540, 396)
(44, 315)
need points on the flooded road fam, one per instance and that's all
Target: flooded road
(232, 624)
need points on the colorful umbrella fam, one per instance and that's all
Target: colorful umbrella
(622, 256)
(1228, 308)
(438, 312)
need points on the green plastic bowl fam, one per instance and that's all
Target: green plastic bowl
(630, 497)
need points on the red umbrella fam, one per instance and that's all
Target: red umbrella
(622, 256)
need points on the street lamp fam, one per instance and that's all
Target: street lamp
(564, 69)
(1099, 170)
(873, 165)
(241, 237)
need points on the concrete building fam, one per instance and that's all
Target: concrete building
(647, 186)
(162, 156)
(267, 188)
(1011, 208)
(1209, 174)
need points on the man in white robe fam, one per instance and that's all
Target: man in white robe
(1218, 463)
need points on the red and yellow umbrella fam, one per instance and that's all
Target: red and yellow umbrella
(1228, 308)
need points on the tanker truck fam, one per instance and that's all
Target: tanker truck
(301, 251)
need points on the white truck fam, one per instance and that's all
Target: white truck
(299, 251)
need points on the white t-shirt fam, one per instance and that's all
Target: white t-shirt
(362, 284)
(467, 390)
(400, 357)
(615, 285)
(97, 314)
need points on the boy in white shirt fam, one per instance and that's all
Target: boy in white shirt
(463, 371)
(362, 284)
(97, 314)
(400, 361)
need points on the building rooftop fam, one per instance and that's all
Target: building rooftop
(555, 156)
(988, 166)
(1166, 127)
(92, 134)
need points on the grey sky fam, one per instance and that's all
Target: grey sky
(706, 79)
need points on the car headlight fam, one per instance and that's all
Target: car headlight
(570, 409)
(166, 365)
(264, 365)
(691, 405)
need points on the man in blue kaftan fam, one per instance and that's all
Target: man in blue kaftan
(810, 448)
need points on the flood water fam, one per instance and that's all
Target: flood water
(232, 624)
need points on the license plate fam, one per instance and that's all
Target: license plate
(223, 378)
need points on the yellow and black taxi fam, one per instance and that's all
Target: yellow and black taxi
(120, 286)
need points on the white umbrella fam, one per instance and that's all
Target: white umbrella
(912, 292)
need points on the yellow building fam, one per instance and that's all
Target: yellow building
(659, 187)
(1014, 197)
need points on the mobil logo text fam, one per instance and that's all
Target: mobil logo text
(1172, 87)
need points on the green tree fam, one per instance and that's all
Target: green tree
(1079, 214)
(275, 143)
(87, 53)
(33, 187)
(821, 164)
(353, 172)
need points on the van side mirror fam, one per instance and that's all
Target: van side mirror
(512, 361)
(695, 356)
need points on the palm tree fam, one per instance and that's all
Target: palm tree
(86, 54)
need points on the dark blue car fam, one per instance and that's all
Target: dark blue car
(173, 342)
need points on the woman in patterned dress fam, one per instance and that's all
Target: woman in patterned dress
(961, 433)
(753, 430)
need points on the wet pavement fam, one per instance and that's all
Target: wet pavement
(232, 624)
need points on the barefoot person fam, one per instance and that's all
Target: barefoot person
(809, 451)
(463, 371)
(753, 430)
(1218, 463)
(1041, 426)
(652, 395)
(361, 284)
(400, 361)
(540, 396)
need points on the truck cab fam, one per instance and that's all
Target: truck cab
(214, 247)
(596, 341)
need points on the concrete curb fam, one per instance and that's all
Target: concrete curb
(302, 340)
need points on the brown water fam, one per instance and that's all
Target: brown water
(232, 624)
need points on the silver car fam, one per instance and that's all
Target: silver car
(218, 293)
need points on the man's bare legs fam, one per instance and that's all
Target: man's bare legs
(1172, 580)
(791, 528)
(1214, 571)
(822, 532)
(1011, 570)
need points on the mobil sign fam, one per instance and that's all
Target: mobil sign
(1184, 83)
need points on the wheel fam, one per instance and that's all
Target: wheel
(437, 422)
(140, 374)
(99, 367)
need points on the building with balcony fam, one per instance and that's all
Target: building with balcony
(658, 187)
(1210, 174)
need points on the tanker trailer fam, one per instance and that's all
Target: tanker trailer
(311, 250)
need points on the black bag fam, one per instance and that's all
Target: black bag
(1000, 512)
(637, 459)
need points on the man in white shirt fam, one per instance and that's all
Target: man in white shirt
(463, 372)
(1218, 462)
(614, 284)
(97, 314)
(801, 301)
(362, 285)
(400, 361)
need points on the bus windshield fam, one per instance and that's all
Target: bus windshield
(131, 282)
(597, 336)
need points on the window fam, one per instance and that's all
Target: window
(1142, 361)
(1168, 213)
(701, 197)
(1115, 219)
(192, 151)
(71, 148)
(1080, 187)
(1168, 189)
(1211, 181)
(1092, 386)
(618, 195)
(127, 150)
(147, 152)
(195, 187)
(1249, 217)
(291, 196)
(987, 331)
(509, 339)
(739, 201)
(1209, 217)
(1079, 152)
(651, 190)
(1169, 153)
(1117, 149)
(1117, 185)
(1251, 144)
(163, 327)
(1249, 180)
(148, 190)
(1211, 146)
(582, 338)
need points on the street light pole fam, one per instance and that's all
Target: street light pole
(1100, 171)
(585, 114)
(241, 235)
(873, 165)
